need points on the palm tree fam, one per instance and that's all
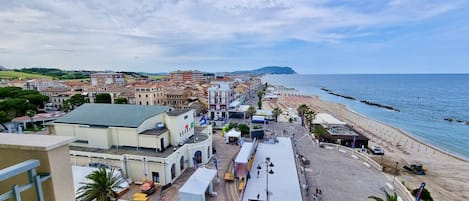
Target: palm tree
(388, 197)
(251, 111)
(259, 102)
(276, 112)
(309, 116)
(100, 186)
(301, 111)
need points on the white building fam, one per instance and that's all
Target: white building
(220, 95)
(145, 142)
(107, 79)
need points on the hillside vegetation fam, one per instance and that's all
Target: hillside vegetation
(21, 75)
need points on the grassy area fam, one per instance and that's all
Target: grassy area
(157, 77)
(18, 75)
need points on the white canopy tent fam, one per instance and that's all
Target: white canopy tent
(327, 119)
(195, 187)
(232, 134)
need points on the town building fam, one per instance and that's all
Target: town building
(145, 142)
(107, 79)
(178, 98)
(127, 92)
(13, 83)
(24, 156)
(220, 95)
(42, 84)
(186, 76)
(336, 131)
(151, 94)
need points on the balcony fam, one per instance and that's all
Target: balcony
(35, 180)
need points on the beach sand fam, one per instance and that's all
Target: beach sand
(447, 176)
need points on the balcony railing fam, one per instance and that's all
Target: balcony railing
(35, 180)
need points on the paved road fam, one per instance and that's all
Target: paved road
(337, 174)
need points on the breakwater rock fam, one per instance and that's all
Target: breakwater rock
(336, 94)
(450, 119)
(379, 105)
(363, 101)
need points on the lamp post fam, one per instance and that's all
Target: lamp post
(268, 170)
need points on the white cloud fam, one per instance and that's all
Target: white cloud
(93, 33)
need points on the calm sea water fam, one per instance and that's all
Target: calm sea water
(424, 100)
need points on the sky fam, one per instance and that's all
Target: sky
(312, 37)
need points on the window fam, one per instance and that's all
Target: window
(181, 163)
(155, 176)
(173, 171)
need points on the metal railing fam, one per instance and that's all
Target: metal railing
(35, 180)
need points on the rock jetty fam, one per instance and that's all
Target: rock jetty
(363, 101)
(336, 94)
(450, 119)
(379, 105)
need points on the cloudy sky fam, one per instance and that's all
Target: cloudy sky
(315, 36)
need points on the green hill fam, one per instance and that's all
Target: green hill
(9, 74)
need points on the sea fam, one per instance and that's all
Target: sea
(424, 102)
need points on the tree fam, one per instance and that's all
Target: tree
(4, 118)
(100, 186)
(36, 99)
(301, 111)
(259, 102)
(243, 128)
(30, 114)
(309, 116)
(16, 107)
(66, 106)
(103, 98)
(121, 100)
(77, 100)
(392, 197)
(251, 111)
(276, 112)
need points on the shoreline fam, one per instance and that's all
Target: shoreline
(447, 173)
(400, 130)
(421, 141)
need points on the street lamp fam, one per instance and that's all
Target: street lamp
(268, 170)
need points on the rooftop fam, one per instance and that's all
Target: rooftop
(325, 118)
(117, 115)
(284, 183)
(33, 142)
(177, 112)
(154, 131)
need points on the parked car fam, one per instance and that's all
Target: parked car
(377, 150)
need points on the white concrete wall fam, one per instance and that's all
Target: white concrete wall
(134, 165)
(98, 137)
(176, 125)
(150, 123)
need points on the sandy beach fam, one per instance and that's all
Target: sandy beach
(447, 175)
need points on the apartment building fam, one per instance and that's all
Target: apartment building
(186, 76)
(220, 95)
(107, 79)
